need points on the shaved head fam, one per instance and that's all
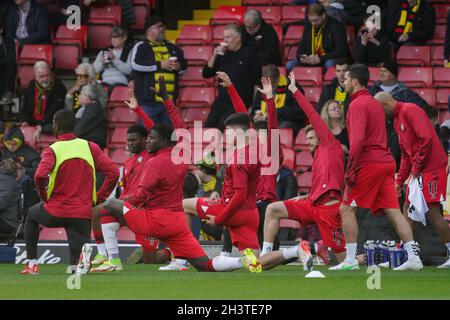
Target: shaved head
(387, 102)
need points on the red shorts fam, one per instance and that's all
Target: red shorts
(374, 188)
(243, 225)
(168, 226)
(327, 218)
(149, 244)
(434, 187)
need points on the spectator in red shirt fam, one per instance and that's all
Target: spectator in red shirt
(67, 196)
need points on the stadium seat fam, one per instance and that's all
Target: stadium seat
(308, 76)
(25, 74)
(439, 35)
(118, 138)
(304, 181)
(67, 55)
(118, 95)
(45, 140)
(303, 160)
(286, 137)
(437, 56)
(443, 115)
(441, 77)
(329, 76)
(374, 74)
(442, 96)
(217, 34)
(427, 94)
(312, 94)
(193, 77)
(65, 34)
(31, 53)
(100, 35)
(414, 55)
(256, 2)
(272, 15)
(288, 158)
(228, 14)
(189, 115)
(197, 55)
(100, 23)
(98, 15)
(288, 223)
(293, 35)
(300, 141)
(442, 11)
(291, 14)
(140, 13)
(197, 97)
(28, 133)
(195, 35)
(121, 117)
(118, 156)
(290, 53)
(53, 234)
(416, 77)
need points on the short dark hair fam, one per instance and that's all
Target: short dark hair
(316, 9)
(341, 61)
(359, 72)
(165, 131)
(65, 119)
(309, 128)
(139, 129)
(260, 124)
(240, 119)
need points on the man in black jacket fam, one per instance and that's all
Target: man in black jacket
(8, 66)
(45, 95)
(409, 21)
(335, 90)
(27, 22)
(262, 36)
(150, 59)
(324, 40)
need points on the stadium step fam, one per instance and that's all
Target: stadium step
(203, 14)
(216, 3)
(182, 23)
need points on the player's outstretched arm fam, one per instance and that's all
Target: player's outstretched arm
(236, 100)
(133, 105)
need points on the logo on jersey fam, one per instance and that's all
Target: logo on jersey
(139, 160)
(432, 189)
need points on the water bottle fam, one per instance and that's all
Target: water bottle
(370, 252)
(378, 252)
(392, 254)
(385, 251)
(398, 255)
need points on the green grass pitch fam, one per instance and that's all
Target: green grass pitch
(285, 282)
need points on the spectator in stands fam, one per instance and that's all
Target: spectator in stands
(335, 90)
(241, 64)
(9, 197)
(4, 7)
(286, 184)
(114, 63)
(85, 75)
(447, 42)
(90, 119)
(262, 36)
(334, 118)
(151, 59)
(371, 45)
(288, 112)
(324, 40)
(8, 67)
(27, 23)
(44, 96)
(60, 15)
(335, 9)
(409, 21)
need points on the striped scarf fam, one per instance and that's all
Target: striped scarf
(407, 15)
(40, 100)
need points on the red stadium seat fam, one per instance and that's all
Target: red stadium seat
(416, 77)
(197, 97)
(439, 35)
(100, 35)
(293, 14)
(195, 35)
(308, 76)
(443, 115)
(256, 2)
(288, 223)
(304, 182)
(427, 94)
(118, 138)
(67, 56)
(189, 115)
(31, 53)
(101, 14)
(312, 94)
(374, 74)
(414, 55)
(293, 35)
(193, 77)
(442, 98)
(53, 234)
(122, 117)
(286, 137)
(28, 133)
(118, 95)
(303, 160)
(45, 140)
(64, 33)
(442, 11)
(288, 158)
(272, 15)
(329, 76)
(437, 56)
(300, 141)
(25, 74)
(118, 156)
(290, 53)
(101, 21)
(197, 55)
(140, 13)
(228, 14)
(217, 34)
(441, 77)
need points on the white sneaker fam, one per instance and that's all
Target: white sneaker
(173, 266)
(84, 263)
(446, 265)
(346, 266)
(304, 253)
(384, 264)
(410, 264)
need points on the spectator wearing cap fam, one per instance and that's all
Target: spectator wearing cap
(409, 21)
(114, 63)
(262, 36)
(44, 96)
(8, 66)
(335, 90)
(152, 58)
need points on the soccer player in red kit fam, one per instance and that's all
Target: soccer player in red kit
(423, 157)
(370, 171)
(321, 205)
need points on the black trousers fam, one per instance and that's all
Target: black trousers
(78, 231)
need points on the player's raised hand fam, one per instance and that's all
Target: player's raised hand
(292, 87)
(224, 79)
(267, 89)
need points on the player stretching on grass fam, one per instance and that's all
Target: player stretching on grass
(370, 170)
(321, 205)
(423, 158)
